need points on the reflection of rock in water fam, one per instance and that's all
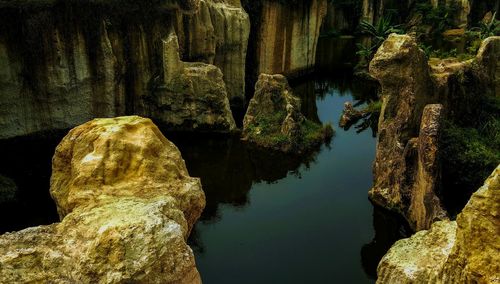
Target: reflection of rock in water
(27, 162)
(228, 168)
(389, 228)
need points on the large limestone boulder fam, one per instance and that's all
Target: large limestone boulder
(193, 96)
(406, 169)
(274, 120)
(465, 251)
(127, 206)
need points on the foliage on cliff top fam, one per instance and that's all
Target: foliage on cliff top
(471, 150)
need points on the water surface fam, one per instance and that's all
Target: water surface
(277, 219)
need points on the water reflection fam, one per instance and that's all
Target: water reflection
(388, 227)
(229, 167)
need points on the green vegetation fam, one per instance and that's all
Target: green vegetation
(471, 148)
(440, 18)
(266, 132)
(377, 32)
(486, 28)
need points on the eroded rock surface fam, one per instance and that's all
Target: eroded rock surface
(465, 251)
(285, 35)
(405, 166)
(193, 95)
(77, 61)
(274, 120)
(127, 206)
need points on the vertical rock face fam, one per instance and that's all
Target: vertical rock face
(405, 166)
(218, 34)
(193, 95)
(489, 57)
(465, 251)
(425, 206)
(127, 206)
(286, 35)
(60, 67)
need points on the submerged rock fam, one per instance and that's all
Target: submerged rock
(127, 206)
(350, 115)
(465, 251)
(274, 120)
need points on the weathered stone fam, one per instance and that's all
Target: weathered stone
(350, 115)
(465, 251)
(418, 259)
(127, 206)
(274, 120)
(402, 70)
(286, 35)
(194, 95)
(475, 258)
(488, 57)
(61, 73)
(425, 206)
(218, 34)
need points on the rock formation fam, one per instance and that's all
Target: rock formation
(416, 96)
(284, 35)
(76, 61)
(274, 120)
(127, 206)
(462, 251)
(404, 167)
(193, 95)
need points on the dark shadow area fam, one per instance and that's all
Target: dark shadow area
(389, 227)
(25, 181)
(229, 167)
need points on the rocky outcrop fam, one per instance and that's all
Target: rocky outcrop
(193, 95)
(274, 120)
(218, 34)
(127, 206)
(465, 251)
(62, 64)
(405, 169)
(284, 35)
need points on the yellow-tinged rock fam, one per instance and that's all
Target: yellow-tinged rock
(127, 206)
(124, 156)
(465, 251)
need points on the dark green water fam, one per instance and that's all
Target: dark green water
(269, 218)
(275, 219)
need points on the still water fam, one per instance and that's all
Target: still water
(270, 218)
(275, 219)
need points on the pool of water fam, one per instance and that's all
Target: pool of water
(277, 219)
(270, 218)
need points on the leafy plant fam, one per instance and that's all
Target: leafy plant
(378, 32)
(487, 28)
